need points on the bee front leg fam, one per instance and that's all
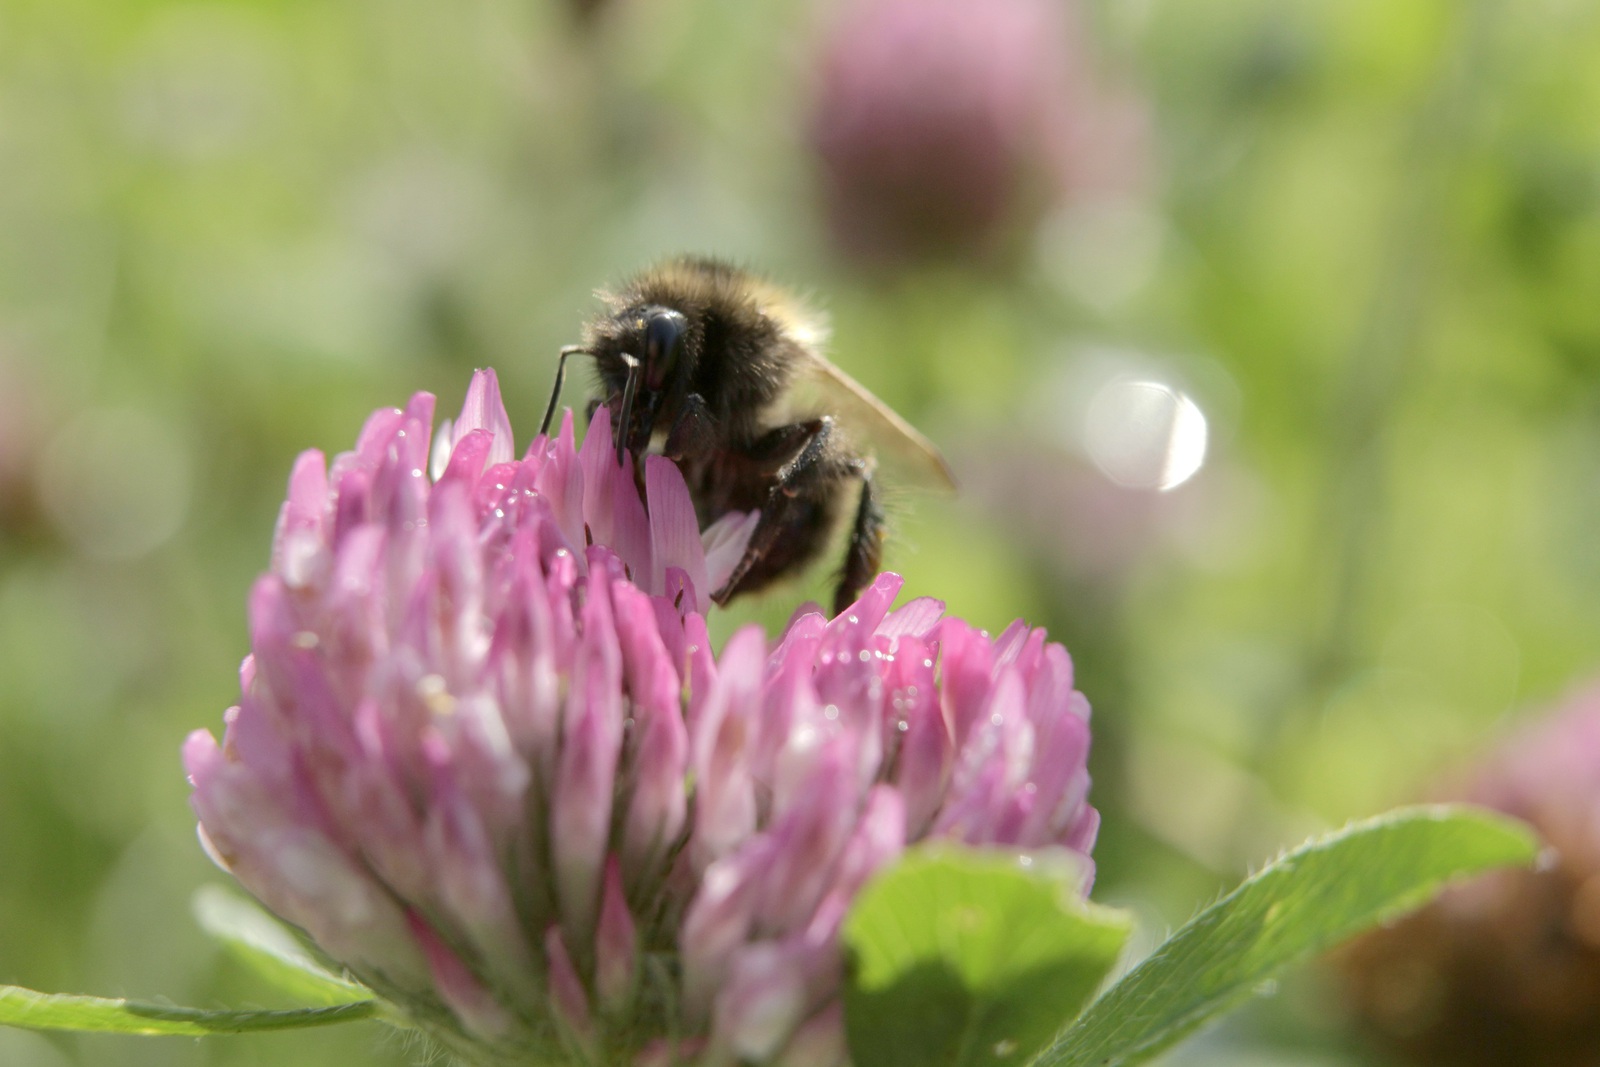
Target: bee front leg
(693, 432)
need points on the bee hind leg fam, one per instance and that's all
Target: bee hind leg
(864, 554)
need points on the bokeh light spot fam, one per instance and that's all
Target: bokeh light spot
(1145, 435)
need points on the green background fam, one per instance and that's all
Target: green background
(1365, 240)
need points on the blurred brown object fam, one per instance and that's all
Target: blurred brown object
(1504, 969)
(21, 424)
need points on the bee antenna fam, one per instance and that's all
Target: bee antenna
(624, 422)
(561, 373)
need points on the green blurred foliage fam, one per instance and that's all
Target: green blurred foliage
(1367, 244)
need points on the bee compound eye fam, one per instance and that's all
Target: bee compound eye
(664, 331)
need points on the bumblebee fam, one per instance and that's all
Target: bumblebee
(723, 371)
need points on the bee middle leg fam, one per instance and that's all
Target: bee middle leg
(795, 510)
(809, 469)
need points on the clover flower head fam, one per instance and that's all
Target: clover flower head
(485, 758)
(946, 128)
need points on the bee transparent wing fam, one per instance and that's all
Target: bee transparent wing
(873, 425)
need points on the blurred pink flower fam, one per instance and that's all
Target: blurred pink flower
(948, 127)
(1505, 968)
(587, 12)
(485, 758)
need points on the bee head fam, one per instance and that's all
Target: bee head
(663, 341)
(642, 359)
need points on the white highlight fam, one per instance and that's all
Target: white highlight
(1145, 435)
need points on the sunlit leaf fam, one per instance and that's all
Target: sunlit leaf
(46, 1011)
(964, 957)
(1306, 901)
(261, 943)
